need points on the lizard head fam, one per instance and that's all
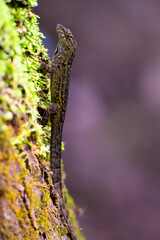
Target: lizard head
(66, 37)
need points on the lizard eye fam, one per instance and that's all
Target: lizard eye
(68, 35)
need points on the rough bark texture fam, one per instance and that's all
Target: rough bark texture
(28, 209)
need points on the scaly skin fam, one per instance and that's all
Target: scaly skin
(60, 76)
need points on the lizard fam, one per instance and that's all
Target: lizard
(60, 71)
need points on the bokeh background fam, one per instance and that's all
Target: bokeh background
(112, 126)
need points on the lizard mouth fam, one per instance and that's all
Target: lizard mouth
(59, 26)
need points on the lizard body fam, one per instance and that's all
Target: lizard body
(59, 85)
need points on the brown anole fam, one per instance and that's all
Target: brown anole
(60, 71)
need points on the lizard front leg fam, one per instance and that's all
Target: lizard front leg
(51, 109)
(47, 68)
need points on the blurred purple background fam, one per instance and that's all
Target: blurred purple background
(112, 126)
